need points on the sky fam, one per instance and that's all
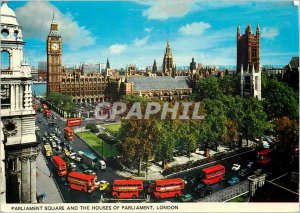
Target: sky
(135, 32)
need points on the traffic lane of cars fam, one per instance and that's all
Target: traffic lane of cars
(229, 173)
(108, 174)
(68, 194)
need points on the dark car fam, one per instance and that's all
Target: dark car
(52, 124)
(192, 181)
(203, 189)
(234, 180)
(186, 198)
(244, 172)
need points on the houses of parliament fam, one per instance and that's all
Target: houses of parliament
(83, 87)
(167, 84)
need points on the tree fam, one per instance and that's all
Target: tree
(94, 130)
(139, 137)
(233, 108)
(90, 126)
(280, 100)
(62, 101)
(231, 133)
(112, 91)
(254, 121)
(207, 88)
(164, 148)
(287, 132)
(186, 135)
(230, 85)
(213, 127)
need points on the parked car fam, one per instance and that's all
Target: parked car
(236, 167)
(90, 172)
(72, 165)
(203, 189)
(186, 198)
(102, 164)
(78, 159)
(191, 181)
(250, 164)
(72, 155)
(244, 172)
(234, 180)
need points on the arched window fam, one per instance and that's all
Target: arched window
(5, 60)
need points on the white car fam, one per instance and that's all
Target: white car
(78, 159)
(72, 155)
(236, 167)
(73, 165)
(102, 164)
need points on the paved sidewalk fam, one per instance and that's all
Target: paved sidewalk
(44, 183)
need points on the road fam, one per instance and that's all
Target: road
(73, 196)
(69, 195)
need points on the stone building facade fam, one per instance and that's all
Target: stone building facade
(18, 140)
(165, 88)
(248, 49)
(84, 87)
(248, 62)
(167, 84)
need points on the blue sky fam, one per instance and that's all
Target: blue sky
(135, 32)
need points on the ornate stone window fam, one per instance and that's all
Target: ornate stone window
(16, 33)
(5, 33)
(5, 60)
(5, 96)
(10, 128)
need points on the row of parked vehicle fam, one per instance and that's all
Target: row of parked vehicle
(62, 151)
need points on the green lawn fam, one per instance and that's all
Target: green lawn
(241, 198)
(96, 143)
(113, 128)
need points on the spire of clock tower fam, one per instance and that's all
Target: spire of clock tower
(54, 57)
(54, 27)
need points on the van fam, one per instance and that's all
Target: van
(102, 164)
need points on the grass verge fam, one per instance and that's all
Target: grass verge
(98, 144)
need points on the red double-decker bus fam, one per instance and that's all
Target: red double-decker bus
(81, 182)
(213, 174)
(127, 188)
(167, 188)
(264, 156)
(47, 113)
(60, 165)
(73, 122)
(69, 134)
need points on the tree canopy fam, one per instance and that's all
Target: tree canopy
(62, 101)
(280, 100)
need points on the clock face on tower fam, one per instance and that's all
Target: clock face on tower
(54, 46)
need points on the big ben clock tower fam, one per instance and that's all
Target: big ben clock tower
(54, 45)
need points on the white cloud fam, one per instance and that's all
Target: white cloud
(164, 9)
(36, 17)
(148, 29)
(196, 28)
(269, 32)
(117, 48)
(140, 42)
